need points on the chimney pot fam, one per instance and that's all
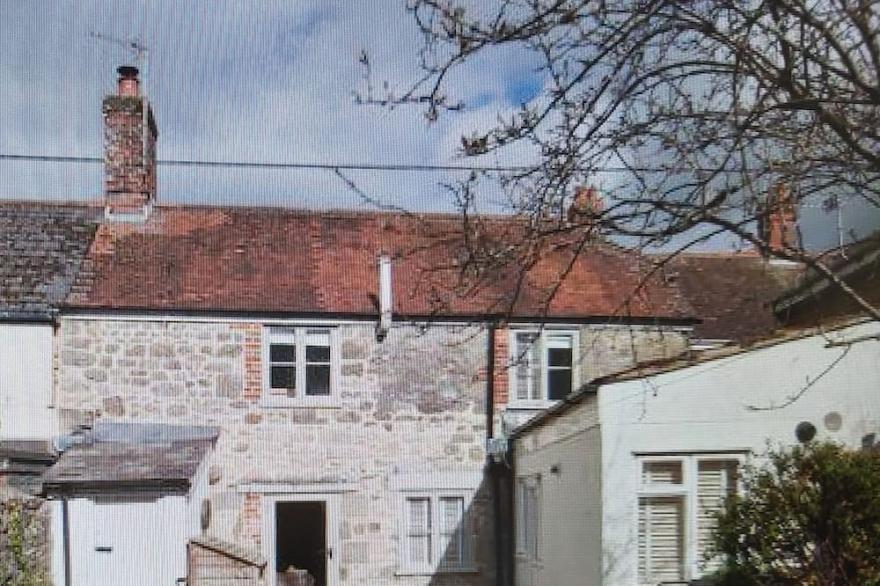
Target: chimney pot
(128, 84)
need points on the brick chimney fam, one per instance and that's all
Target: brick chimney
(777, 224)
(586, 207)
(129, 150)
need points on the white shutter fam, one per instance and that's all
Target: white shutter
(419, 530)
(662, 472)
(716, 480)
(451, 530)
(661, 539)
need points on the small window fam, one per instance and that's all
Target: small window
(542, 365)
(528, 518)
(435, 535)
(299, 362)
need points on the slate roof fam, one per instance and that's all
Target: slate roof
(732, 293)
(324, 262)
(41, 248)
(132, 456)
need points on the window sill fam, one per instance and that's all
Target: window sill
(431, 572)
(532, 405)
(302, 403)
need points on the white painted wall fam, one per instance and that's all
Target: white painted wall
(26, 382)
(706, 408)
(564, 457)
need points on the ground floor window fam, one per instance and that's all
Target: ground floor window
(435, 532)
(528, 518)
(679, 497)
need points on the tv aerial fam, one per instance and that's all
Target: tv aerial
(142, 55)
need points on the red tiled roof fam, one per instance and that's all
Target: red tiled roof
(279, 260)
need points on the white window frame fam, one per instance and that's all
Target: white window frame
(436, 564)
(516, 354)
(687, 490)
(297, 334)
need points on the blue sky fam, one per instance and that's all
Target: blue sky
(227, 82)
(271, 84)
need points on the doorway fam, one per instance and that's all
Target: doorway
(301, 539)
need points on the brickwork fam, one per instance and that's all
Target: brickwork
(252, 519)
(129, 168)
(252, 351)
(502, 359)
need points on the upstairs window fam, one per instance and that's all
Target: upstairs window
(543, 365)
(298, 362)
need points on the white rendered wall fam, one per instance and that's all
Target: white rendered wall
(26, 381)
(564, 456)
(707, 408)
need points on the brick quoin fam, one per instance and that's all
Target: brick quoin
(252, 517)
(252, 356)
(499, 384)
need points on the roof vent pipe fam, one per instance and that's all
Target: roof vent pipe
(384, 297)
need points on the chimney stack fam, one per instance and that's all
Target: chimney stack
(777, 224)
(129, 150)
(586, 207)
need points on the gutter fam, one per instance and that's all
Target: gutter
(17, 316)
(85, 488)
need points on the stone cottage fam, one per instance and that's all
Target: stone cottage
(326, 393)
(353, 404)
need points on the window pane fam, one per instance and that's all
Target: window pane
(451, 516)
(558, 384)
(662, 472)
(283, 377)
(559, 357)
(318, 353)
(317, 380)
(661, 539)
(532, 521)
(419, 530)
(526, 356)
(318, 338)
(282, 353)
(716, 480)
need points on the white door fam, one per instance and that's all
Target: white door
(137, 543)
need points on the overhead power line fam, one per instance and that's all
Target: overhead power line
(330, 166)
(263, 165)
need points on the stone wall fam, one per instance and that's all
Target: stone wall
(414, 404)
